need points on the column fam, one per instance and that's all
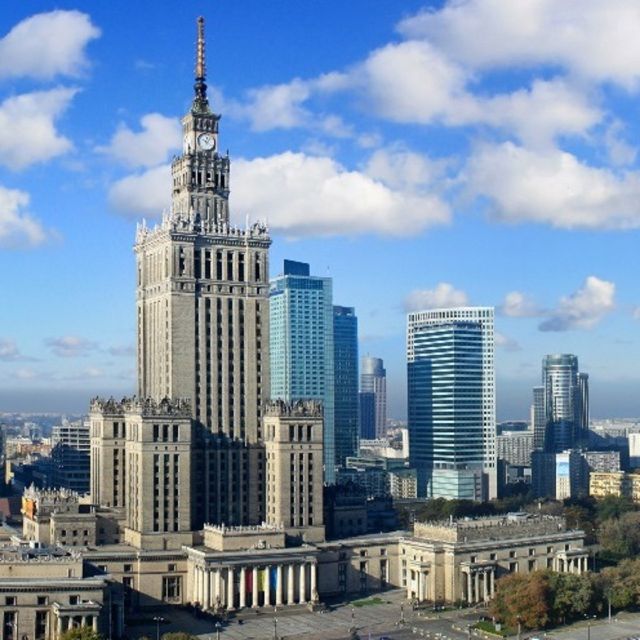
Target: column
(85, 621)
(418, 587)
(206, 601)
(230, 588)
(469, 589)
(219, 597)
(267, 586)
(94, 623)
(477, 581)
(302, 586)
(314, 581)
(290, 577)
(59, 625)
(254, 593)
(279, 585)
(492, 582)
(243, 587)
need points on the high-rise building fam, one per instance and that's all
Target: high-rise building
(367, 415)
(345, 361)
(451, 402)
(566, 398)
(373, 379)
(538, 418)
(202, 330)
(302, 345)
(70, 456)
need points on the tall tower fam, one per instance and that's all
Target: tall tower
(560, 379)
(345, 359)
(373, 379)
(451, 398)
(301, 339)
(203, 319)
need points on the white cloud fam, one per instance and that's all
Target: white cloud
(276, 106)
(636, 313)
(46, 45)
(442, 296)
(519, 305)
(9, 350)
(27, 127)
(122, 350)
(589, 38)
(553, 187)
(584, 308)
(506, 343)
(26, 373)
(70, 346)
(401, 169)
(147, 193)
(17, 228)
(300, 194)
(148, 147)
(620, 152)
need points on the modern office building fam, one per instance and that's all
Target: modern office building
(70, 456)
(451, 402)
(301, 345)
(538, 418)
(566, 397)
(515, 447)
(367, 415)
(373, 379)
(345, 360)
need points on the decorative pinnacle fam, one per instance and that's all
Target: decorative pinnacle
(200, 102)
(200, 62)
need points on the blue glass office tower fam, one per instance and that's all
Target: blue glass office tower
(301, 349)
(345, 358)
(451, 402)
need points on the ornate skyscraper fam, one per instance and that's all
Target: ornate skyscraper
(202, 319)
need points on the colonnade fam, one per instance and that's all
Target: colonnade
(571, 564)
(71, 621)
(418, 586)
(480, 584)
(240, 586)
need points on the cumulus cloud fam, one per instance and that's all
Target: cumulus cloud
(148, 147)
(9, 350)
(443, 295)
(506, 343)
(18, 230)
(300, 194)
(70, 346)
(584, 308)
(47, 45)
(554, 187)
(519, 305)
(147, 193)
(591, 39)
(27, 127)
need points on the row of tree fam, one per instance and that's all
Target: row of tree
(546, 598)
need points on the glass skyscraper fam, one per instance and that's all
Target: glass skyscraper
(345, 358)
(301, 346)
(373, 379)
(451, 402)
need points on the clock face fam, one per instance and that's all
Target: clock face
(206, 141)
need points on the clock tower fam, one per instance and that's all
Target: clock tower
(203, 320)
(201, 175)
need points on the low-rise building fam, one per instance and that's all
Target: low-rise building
(615, 483)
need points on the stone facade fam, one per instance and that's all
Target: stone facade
(614, 483)
(45, 591)
(460, 561)
(293, 437)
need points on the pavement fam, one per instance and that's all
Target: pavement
(372, 622)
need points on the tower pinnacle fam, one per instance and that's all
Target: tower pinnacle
(200, 102)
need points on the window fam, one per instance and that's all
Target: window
(128, 568)
(171, 567)
(41, 625)
(74, 599)
(42, 601)
(10, 601)
(171, 587)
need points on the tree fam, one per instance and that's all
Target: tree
(81, 633)
(522, 598)
(613, 507)
(178, 635)
(571, 595)
(620, 537)
(621, 584)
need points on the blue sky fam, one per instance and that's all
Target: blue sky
(423, 154)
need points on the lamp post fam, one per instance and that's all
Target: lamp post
(275, 624)
(402, 613)
(519, 628)
(158, 620)
(218, 625)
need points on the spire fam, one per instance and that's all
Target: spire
(200, 102)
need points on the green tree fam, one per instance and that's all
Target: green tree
(522, 598)
(178, 635)
(571, 595)
(621, 584)
(614, 507)
(81, 633)
(620, 537)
